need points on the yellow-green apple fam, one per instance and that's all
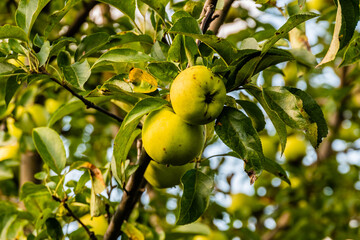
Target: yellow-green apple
(169, 140)
(197, 95)
(295, 148)
(163, 176)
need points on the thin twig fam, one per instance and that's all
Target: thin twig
(88, 103)
(71, 213)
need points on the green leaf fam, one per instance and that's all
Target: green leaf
(44, 52)
(275, 169)
(32, 189)
(195, 199)
(304, 57)
(275, 119)
(55, 17)
(164, 71)
(186, 25)
(5, 173)
(335, 42)
(122, 56)
(158, 6)
(292, 22)
(236, 130)
(313, 110)
(176, 51)
(349, 20)
(63, 59)
(59, 44)
(96, 204)
(352, 53)
(91, 44)
(288, 107)
(27, 13)
(122, 144)
(224, 48)
(127, 7)
(195, 228)
(77, 74)
(249, 62)
(127, 37)
(12, 84)
(54, 229)
(50, 147)
(9, 31)
(254, 112)
(131, 231)
(143, 107)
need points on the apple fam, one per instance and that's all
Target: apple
(269, 146)
(162, 176)
(169, 140)
(197, 95)
(295, 148)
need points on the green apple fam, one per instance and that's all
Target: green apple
(295, 148)
(163, 176)
(197, 95)
(169, 140)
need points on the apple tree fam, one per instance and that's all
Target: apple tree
(110, 112)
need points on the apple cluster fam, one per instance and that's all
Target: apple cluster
(173, 137)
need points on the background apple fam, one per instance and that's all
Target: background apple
(97, 224)
(169, 140)
(162, 176)
(197, 95)
(295, 148)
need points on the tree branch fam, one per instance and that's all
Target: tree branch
(207, 14)
(80, 19)
(88, 103)
(134, 189)
(71, 213)
(221, 15)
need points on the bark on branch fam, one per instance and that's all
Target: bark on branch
(134, 189)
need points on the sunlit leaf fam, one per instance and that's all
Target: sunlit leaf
(77, 74)
(27, 12)
(141, 81)
(9, 31)
(50, 147)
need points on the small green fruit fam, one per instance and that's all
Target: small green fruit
(295, 148)
(197, 95)
(162, 176)
(169, 140)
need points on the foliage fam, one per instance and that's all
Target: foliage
(77, 79)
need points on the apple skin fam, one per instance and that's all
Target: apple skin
(295, 148)
(162, 176)
(197, 95)
(169, 140)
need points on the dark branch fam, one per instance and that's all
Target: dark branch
(71, 213)
(81, 18)
(207, 14)
(135, 188)
(221, 15)
(88, 103)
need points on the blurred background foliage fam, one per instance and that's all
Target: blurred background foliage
(324, 197)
